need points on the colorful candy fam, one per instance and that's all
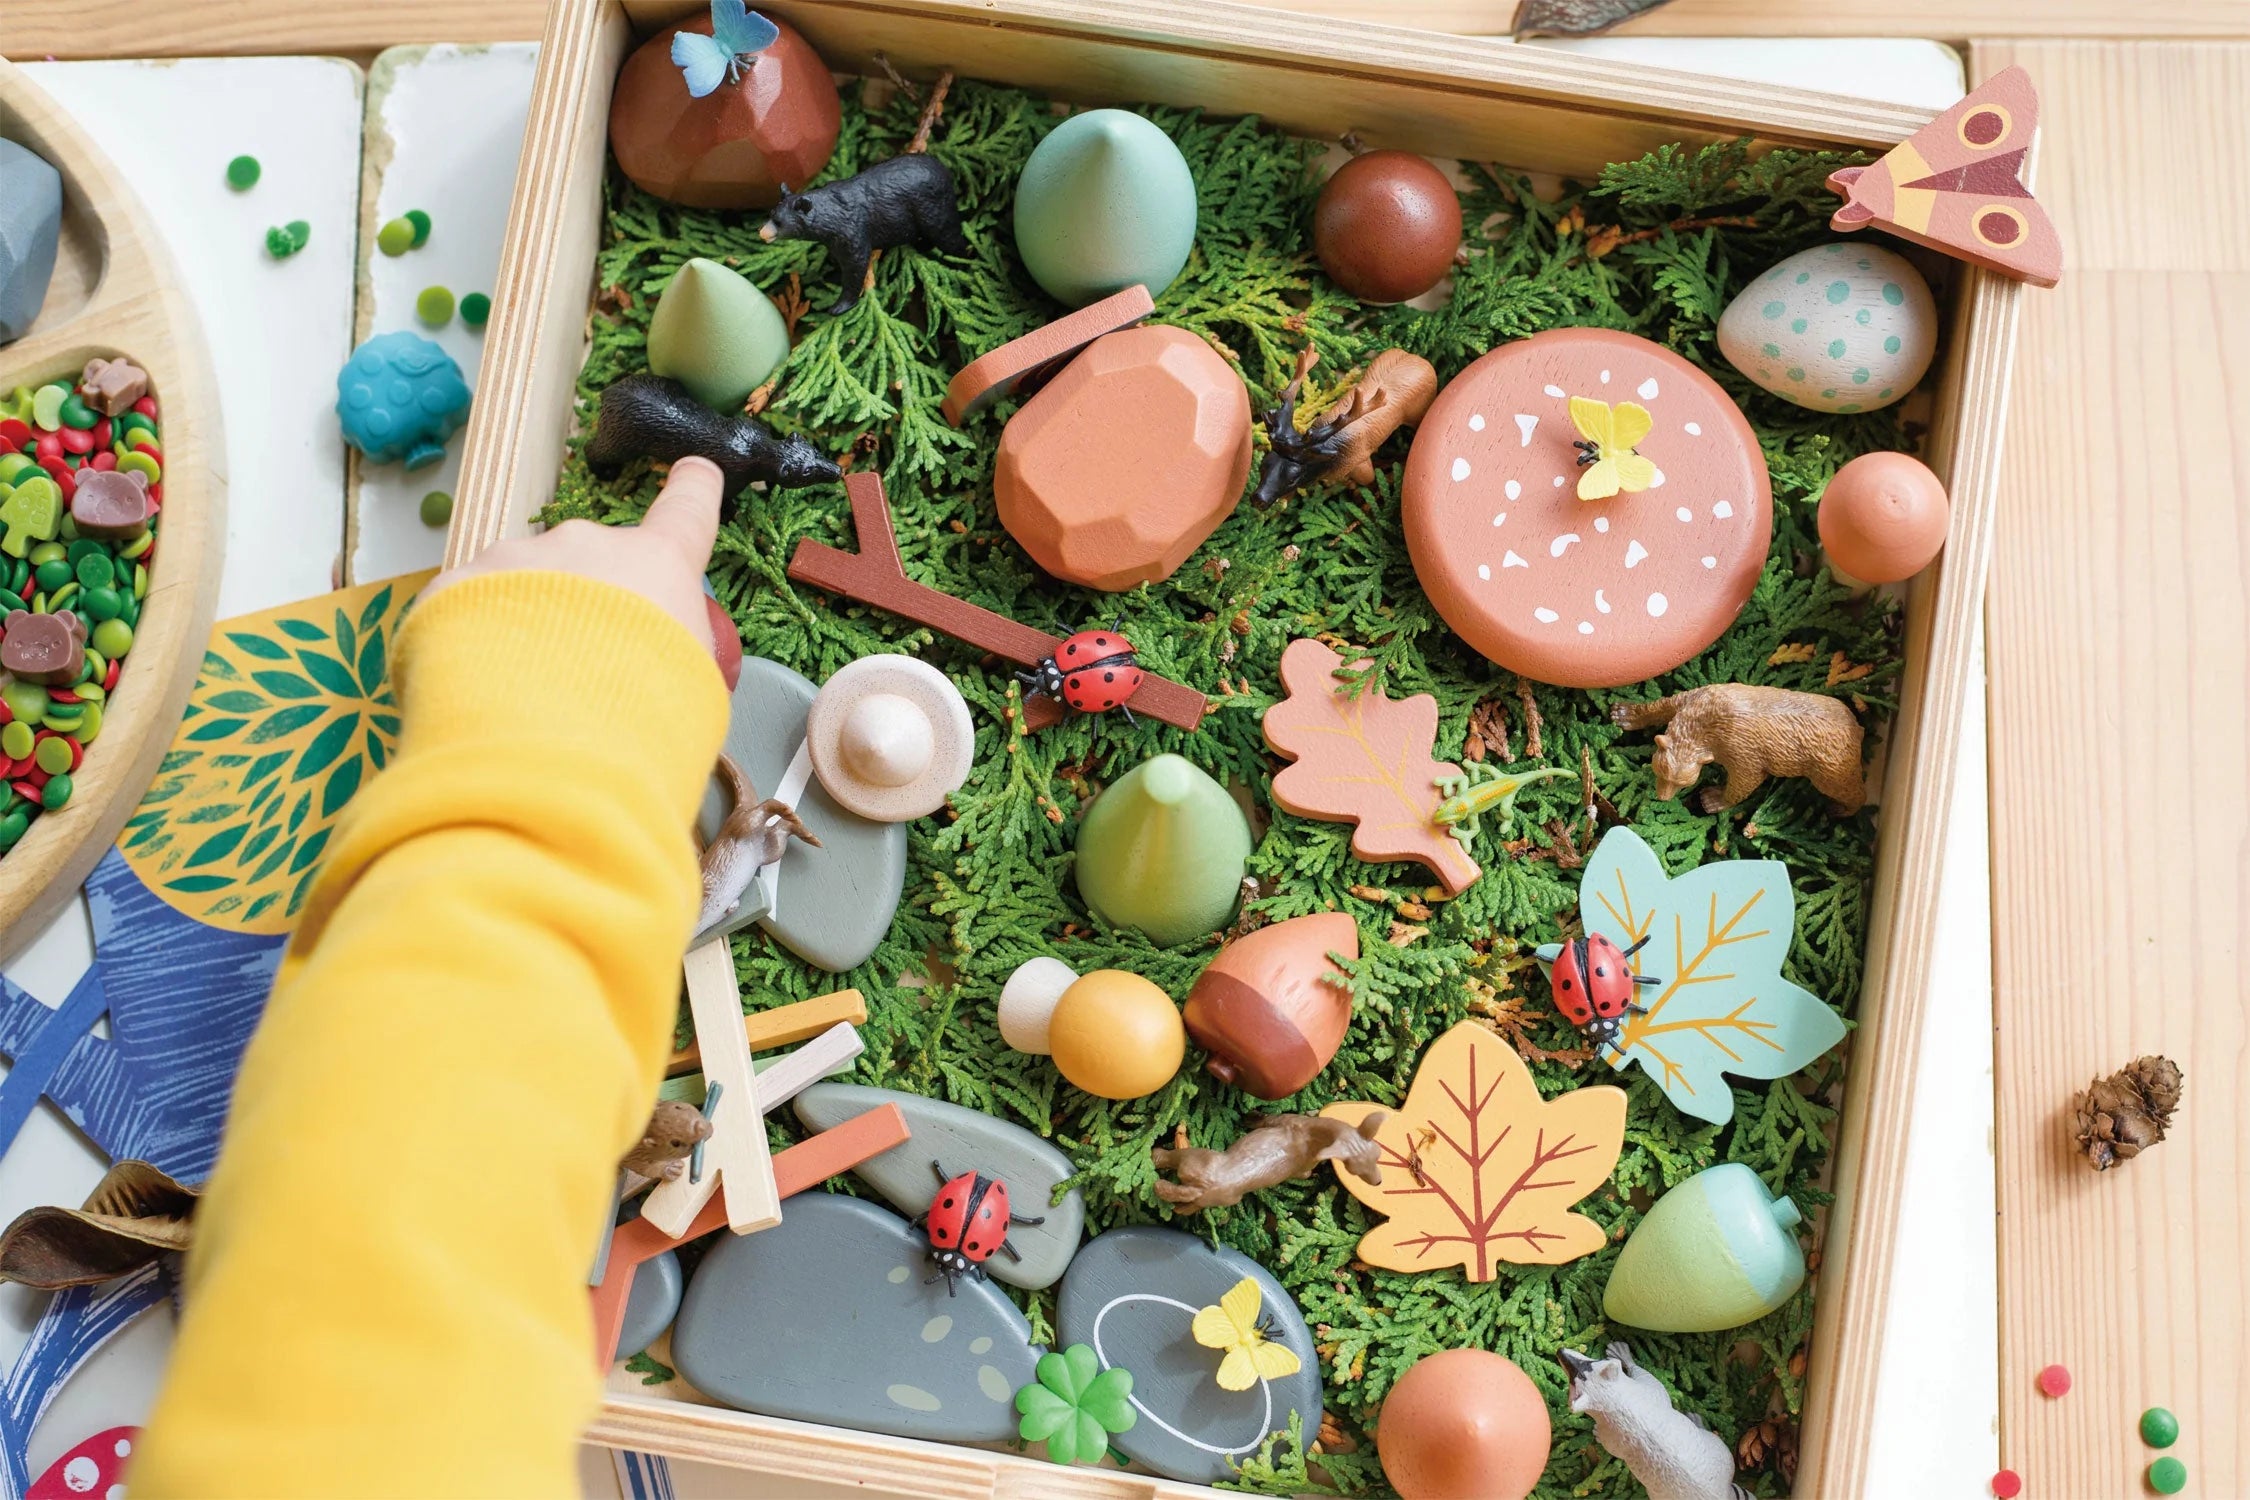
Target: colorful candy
(243, 173)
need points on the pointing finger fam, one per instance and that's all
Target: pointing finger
(686, 512)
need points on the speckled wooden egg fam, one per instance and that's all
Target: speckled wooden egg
(1843, 327)
(1585, 593)
(1386, 226)
(1464, 1423)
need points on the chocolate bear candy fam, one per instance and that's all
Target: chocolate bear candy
(111, 386)
(47, 649)
(111, 504)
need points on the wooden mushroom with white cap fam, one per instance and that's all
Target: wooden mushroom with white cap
(889, 737)
(1586, 507)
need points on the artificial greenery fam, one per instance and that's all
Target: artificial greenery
(1656, 247)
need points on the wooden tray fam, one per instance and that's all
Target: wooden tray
(117, 293)
(1439, 95)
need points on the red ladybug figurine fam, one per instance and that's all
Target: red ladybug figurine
(1092, 671)
(1594, 987)
(967, 1221)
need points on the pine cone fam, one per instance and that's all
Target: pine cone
(2119, 1117)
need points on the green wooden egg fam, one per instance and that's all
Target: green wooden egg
(1105, 202)
(1715, 1252)
(1164, 849)
(716, 334)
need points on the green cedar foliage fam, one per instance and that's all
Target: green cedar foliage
(986, 887)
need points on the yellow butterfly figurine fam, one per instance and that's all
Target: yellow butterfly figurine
(1609, 435)
(1233, 1326)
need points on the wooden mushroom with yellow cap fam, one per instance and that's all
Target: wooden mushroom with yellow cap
(890, 736)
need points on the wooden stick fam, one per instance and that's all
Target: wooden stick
(831, 1052)
(783, 1026)
(736, 1161)
(874, 575)
(805, 1165)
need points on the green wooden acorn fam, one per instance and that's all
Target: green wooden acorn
(716, 334)
(1105, 202)
(1164, 849)
(1715, 1252)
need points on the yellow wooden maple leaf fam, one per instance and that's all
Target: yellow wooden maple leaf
(1478, 1169)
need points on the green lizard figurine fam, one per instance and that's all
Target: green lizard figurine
(1480, 789)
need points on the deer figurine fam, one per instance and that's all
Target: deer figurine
(1396, 390)
(1274, 1149)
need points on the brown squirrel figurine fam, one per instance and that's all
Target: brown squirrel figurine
(1754, 732)
(1274, 1149)
(1395, 392)
(754, 835)
(674, 1130)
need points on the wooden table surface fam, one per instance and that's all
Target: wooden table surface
(2119, 662)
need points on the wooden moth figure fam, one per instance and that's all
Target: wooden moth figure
(967, 1221)
(1395, 392)
(1671, 1452)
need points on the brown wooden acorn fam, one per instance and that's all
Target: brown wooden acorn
(1272, 1007)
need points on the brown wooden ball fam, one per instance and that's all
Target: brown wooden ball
(1387, 226)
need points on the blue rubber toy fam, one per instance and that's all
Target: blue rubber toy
(400, 397)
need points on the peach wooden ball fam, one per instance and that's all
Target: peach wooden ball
(1464, 1425)
(1883, 518)
(1116, 1035)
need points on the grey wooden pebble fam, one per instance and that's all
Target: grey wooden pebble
(965, 1140)
(836, 901)
(826, 1317)
(1132, 1295)
(651, 1305)
(30, 233)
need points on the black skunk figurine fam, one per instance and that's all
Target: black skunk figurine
(647, 416)
(895, 202)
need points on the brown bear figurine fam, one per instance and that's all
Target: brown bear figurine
(1754, 732)
(48, 649)
(111, 504)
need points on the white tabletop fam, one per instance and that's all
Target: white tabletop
(448, 120)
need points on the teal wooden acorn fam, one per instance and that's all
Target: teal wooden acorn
(716, 334)
(1164, 849)
(1715, 1252)
(1105, 202)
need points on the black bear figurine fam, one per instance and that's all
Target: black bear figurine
(647, 416)
(896, 202)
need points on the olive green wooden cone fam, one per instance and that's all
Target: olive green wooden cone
(1105, 202)
(1164, 849)
(716, 334)
(1715, 1252)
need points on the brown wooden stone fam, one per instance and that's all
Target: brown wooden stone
(1022, 366)
(1117, 471)
(735, 147)
(1585, 593)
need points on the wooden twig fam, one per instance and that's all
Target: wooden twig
(915, 147)
(1531, 745)
(874, 575)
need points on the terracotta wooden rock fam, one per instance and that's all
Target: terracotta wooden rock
(1882, 518)
(1272, 1008)
(776, 123)
(1956, 185)
(1116, 472)
(1585, 593)
(1386, 226)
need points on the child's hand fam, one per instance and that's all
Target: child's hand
(662, 559)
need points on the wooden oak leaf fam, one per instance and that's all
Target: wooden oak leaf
(1362, 758)
(1717, 937)
(1478, 1169)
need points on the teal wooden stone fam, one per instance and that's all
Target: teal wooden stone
(1164, 849)
(651, 1305)
(716, 334)
(1105, 202)
(31, 199)
(1715, 1252)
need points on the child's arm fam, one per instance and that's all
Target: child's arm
(387, 1294)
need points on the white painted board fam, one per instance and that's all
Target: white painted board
(444, 130)
(277, 332)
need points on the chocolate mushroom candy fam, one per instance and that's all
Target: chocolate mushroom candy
(111, 505)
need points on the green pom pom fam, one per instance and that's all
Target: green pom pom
(243, 173)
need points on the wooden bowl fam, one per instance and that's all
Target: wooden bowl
(116, 294)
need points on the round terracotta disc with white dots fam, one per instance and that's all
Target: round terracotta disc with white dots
(1585, 593)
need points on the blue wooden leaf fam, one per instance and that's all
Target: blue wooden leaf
(1718, 936)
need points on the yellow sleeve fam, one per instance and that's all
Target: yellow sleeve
(387, 1294)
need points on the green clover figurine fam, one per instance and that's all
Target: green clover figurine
(1075, 1405)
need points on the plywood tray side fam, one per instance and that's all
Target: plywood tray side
(1440, 93)
(131, 305)
(1869, 1167)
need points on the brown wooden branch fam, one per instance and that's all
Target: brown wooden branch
(874, 575)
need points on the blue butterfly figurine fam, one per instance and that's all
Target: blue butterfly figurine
(737, 36)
